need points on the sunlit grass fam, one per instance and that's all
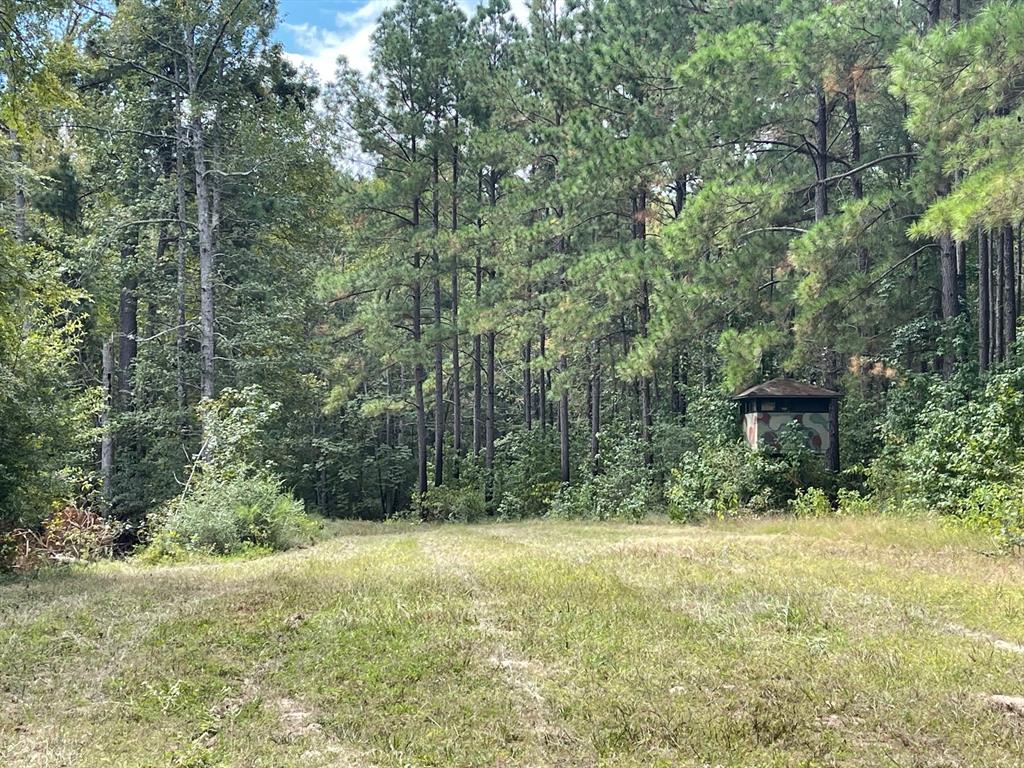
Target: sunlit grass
(858, 641)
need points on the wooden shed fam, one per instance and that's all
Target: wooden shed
(766, 408)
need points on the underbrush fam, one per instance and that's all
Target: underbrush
(226, 516)
(234, 504)
(957, 448)
(72, 534)
(722, 477)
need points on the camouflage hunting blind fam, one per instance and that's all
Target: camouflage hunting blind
(767, 408)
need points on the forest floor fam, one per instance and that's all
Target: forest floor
(780, 642)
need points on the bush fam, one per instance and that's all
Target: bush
(224, 516)
(999, 509)
(624, 488)
(452, 503)
(723, 477)
(526, 482)
(231, 502)
(954, 444)
(810, 502)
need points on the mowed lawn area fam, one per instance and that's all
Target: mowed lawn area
(861, 642)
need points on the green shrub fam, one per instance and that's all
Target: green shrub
(461, 503)
(624, 488)
(999, 509)
(955, 443)
(224, 516)
(526, 481)
(851, 503)
(810, 502)
(723, 477)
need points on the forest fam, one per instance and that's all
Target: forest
(515, 269)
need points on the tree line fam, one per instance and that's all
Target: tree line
(513, 257)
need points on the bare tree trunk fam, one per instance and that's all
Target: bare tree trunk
(20, 225)
(639, 207)
(204, 220)
(478, 419)
(419, 371)
(542, 384)
(999, 316)
(128, 319)
(107, 440)
(950, 300)
(595, 419)
(821, 156)
(182, 252)
(438, 349)
(1009, 297)
(489, 425)
(820, 212)
(456, 365)
(527, 386)
(563, 425)
(856, 183)
(984, 299)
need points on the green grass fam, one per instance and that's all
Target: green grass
(854, 642)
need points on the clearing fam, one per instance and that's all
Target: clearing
(854, 642)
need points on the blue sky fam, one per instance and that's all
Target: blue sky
(316, 32)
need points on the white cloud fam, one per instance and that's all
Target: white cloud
(364, 13)
(521, 10)
(319, 48)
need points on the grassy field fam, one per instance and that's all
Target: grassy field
(861, 642)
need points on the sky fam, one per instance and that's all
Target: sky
(316, 32)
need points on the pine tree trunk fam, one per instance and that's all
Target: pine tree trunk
(438, 350)
(107, 440)
(998, 334)
(950, 301)
(456, 363)
(856, 183)
(563, 425)
(489, 427)
(478, 419)
(527, 386)
(179, 283)
(984, 299)
(595, 419)
(821, 156)
(1009, 297)
(820, 212)
(419, 370)
(639, 206)
(542, 383)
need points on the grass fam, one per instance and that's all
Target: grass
(853, 642)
